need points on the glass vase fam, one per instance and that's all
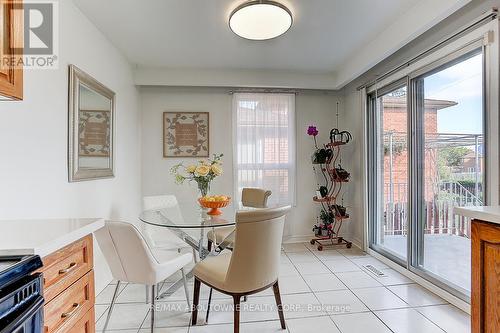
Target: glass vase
(204, 188)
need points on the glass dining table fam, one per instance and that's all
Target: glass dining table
(191, 224)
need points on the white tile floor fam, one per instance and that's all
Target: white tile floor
(329, 291)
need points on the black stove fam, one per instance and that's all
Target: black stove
(21, 297)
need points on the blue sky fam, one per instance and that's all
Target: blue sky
(461, 83)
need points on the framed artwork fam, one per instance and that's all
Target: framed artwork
(95, 131)
(185, 134)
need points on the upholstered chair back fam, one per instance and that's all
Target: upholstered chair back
(255, 197)
(255, 259)
(159, 236)
(127, 253)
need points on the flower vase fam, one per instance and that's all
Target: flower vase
(203, 188)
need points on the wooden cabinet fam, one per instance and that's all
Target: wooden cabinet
(85, 324)
(66, 309)
(485, 297)
(62, 268)
(11, 45)
(69, 294)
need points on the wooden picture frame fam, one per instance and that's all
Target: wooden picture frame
(186, 134)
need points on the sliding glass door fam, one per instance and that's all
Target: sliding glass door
(391, 171)
(417, 179)
(449, 102)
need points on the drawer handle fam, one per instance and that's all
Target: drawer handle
(70, 313)
(66, 270)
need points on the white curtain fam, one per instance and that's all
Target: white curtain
(264, 150)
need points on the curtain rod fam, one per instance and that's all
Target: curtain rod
(264, 91)
(489, 16)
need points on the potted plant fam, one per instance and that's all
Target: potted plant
(317, 230)
(326, 219)
(324, 231)
(203, 173)
(341, 174)
(340, 211)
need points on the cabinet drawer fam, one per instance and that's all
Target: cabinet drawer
(62, 268)
(66, 309)
(86, 324)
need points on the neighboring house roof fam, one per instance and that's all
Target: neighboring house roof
(472, 155)
(434, 104)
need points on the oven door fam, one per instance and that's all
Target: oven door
(21, 305)
(29, 321)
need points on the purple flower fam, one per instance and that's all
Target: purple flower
(312, 131)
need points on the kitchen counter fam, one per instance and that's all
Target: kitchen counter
(484, 213)
(43, 236)
(485, 260)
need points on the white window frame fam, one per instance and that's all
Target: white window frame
(291, 166)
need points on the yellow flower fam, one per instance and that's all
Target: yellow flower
(191, 168)
(216, 169)
(202, 170)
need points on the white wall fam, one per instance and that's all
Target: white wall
(311, 108)
(33, 137)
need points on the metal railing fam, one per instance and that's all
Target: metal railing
(439, 210)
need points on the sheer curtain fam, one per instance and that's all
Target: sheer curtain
(264, 150)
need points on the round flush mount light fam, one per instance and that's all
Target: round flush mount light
(260, 20)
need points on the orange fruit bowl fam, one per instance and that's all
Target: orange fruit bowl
(214, 205)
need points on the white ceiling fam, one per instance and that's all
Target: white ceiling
(194, 34)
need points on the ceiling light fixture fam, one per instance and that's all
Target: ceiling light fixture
(260, 20)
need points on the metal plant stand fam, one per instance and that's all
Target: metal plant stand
(328, 170)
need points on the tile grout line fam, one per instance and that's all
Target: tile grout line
(429, 319)
(410, 306)
(308, 286)
(302, 276)
(109, 304)
(370, 310)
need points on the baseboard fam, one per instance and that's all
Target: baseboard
(297, 239)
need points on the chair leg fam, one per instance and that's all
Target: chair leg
(277, 296)
(195, 256)
(186, 291)
(209, 303)
(153, 301)
(236, 299)
(209, 246)
(196, 300)
(112, 305)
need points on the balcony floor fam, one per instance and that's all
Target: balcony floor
(447, 256)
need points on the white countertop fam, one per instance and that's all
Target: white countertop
(43, 236)
(484, 213)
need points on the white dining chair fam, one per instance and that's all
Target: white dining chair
(251, 267)
(131, 260)
(161, 237)
(250, 198)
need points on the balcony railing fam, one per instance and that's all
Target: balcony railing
(439, 217)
